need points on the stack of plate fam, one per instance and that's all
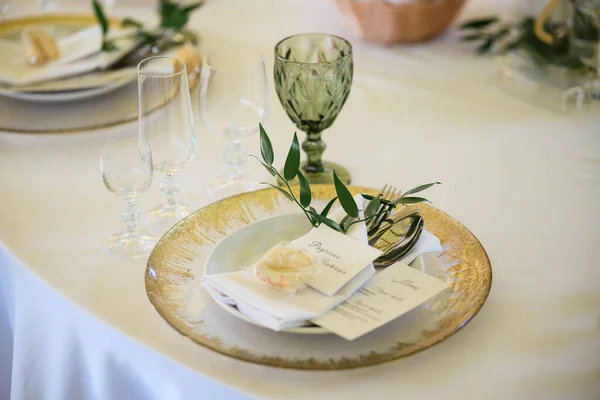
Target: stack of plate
(73, 88)
(68, 88)
(99, 96)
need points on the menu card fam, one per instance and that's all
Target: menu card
(340, 257)
(391, 293)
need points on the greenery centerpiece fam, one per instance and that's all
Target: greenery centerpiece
(170, 32)
(571, 42)
(376, 208)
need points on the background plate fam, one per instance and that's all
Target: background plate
(176, 265)
(66, 96)
(99, 109)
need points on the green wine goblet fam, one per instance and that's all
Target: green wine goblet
(313, 77)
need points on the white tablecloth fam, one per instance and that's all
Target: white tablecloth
(76, 323)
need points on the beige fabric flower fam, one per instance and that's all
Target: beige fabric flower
(285, 268)
(40, 46)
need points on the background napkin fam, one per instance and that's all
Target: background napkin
(275, 309)
(79, 53)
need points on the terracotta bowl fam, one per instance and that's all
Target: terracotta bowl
(385, 23)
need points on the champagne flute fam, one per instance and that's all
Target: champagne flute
(234, 98)
(165, 121)
(126, 166)
(313, 76)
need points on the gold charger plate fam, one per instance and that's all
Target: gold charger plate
(176, 264)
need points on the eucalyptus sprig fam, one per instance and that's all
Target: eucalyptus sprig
(170, 31)
(104, 25)
(291, 170)
(495, 36)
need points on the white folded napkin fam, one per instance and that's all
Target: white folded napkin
(427, 243)
(277, 310)
(79, 53)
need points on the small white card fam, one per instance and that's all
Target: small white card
(391, 293)
(340, 257)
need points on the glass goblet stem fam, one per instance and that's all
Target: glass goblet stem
(314, 148)
(170, 187)
(235, 156)
(131, 214)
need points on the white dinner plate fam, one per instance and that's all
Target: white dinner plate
(128, 75)
(246, 245)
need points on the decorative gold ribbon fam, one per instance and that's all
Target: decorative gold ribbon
(539, 30)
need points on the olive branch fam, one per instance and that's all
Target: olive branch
(376, 208)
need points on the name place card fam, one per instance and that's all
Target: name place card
(340, 257)
(391, 293)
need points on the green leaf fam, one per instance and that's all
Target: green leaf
(109, 46)
(176, 21)
(305, 193)
(540, 59)
(502, 33)
(174, 16)
(311, 215)
(367, 196)
(479, 23)
(485, 47)
(373, 207)
(99, 12)
(421, 188)
(148, 37)
(266, 149)
(330, 223)
(571, 62)
(345, 221)
(286, 194)
(192, 7)
(410, 200)
(473, 37)
(292, 162)
(269, 168)
(512, 45)
(346, 200)
(166, 8)
(131, 22)
(328, 207)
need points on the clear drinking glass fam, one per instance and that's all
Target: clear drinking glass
(48, 5)
(126, 166)
(165, 121)
(234, 98)
(4, 8)
(313, 76)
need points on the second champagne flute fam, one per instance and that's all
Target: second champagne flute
(166, 123)
(234, 98)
